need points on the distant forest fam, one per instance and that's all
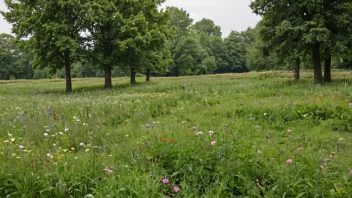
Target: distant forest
(113, 42)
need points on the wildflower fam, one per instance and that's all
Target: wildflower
(21, 147)
(199, 133)
(147, 125)
(164, 139)
(87, 150)
(75, 158)
(107, 170)
(213, 143)
(350, 172)
(194, 128)
(265, 114)
(61, 133)
(9, 134)
(324, 161)
(6, 141)
(176, 189)
(45, 134)
(150, 173)
(172, 141)
(289, 130)
(49, 155)
(165, 181)
(211, 132)
(331, 156)
(82, 144)
(66, 130)
(300, 148)
(289, 161)
(12, 139)
(184, 122)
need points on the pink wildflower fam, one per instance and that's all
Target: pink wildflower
(289, 130)
(300, 148)
(165, 181)
(108, 170)
(176, 189)
(289, 161)
(350, 172)
(213, 143)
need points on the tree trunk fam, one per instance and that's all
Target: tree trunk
(107, 76)
(148, 75)
(107, 66)
(327, 69)
(133, 76)
(68, 72)
(177, 72)
(318, 76)
(297, 69)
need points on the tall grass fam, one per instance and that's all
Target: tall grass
(234, 135)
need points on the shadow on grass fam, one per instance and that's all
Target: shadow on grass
(94, 88)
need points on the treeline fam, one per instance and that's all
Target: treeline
(102, 38)
(302, 31)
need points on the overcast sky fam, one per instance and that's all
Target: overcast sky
(228, 14)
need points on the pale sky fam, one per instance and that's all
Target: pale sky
(228, 14)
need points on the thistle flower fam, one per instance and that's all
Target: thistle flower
(165, 181)
(176, 189)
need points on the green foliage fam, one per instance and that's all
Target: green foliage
(41, 74)
(123, 33)
(14, 63)
(208, 27)
(52, 33)
(300, 28)
(188, 56)
(180, 21)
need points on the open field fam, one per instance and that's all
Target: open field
(234, 135)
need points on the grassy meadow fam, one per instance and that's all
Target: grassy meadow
(233, 135)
